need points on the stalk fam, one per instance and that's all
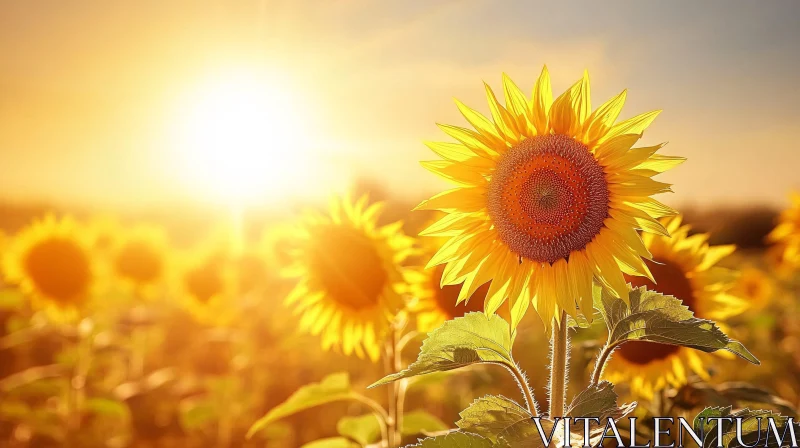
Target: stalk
(558, 368)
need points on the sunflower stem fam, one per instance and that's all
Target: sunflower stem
(600, 364)
(390, 365)
(558, 367)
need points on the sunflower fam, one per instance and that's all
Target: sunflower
(434, 304)
(549, 195)
(685, 267)
(205, 282)
(755, 286)
(140, 257)
(786, 235)
(277, 242)
(105, 231)
(51, 262)
(349, 276)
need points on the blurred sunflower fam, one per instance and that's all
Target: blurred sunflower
(685, 267)
(105, 231)
(277, 242)
(755, 286)
(50, 261)
(550, 194)
(205, 283)
(350, 278)
(782, 267)
(786, 235)
(434, 304)
(139, 258)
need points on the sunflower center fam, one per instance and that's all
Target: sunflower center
(548, 197)
(204, 282)
(140, 262)
(672, 280)
(348, 267)
(59, 268)
(447, 297)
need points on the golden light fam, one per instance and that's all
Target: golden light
(243, 139)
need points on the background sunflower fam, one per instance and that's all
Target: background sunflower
(683, 266)
(139, 258)
(50, 260)
(350, 275)
(786, 235)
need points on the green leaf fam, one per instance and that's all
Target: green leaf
(332, 442)
(455, 439)
(334, 387)
(195, 415)
(491, 415)
(750, 427)
(421, 422)
(460, 342)
(599, 401)
(107, 407)
(364, 429)
(525, 433)
(740, 392)
(654, 317)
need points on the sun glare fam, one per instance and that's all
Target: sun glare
(242, 139)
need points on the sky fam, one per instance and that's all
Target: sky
(92, 92)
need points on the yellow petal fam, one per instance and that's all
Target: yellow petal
(542, 100)
(603, 118)
(635, 125)
(505, 123)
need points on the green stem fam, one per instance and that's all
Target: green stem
(380, 413)
(558, 368)
(600, 364)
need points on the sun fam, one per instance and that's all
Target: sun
(242, 138)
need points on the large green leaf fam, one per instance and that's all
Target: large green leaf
(461, 342)
(654, 317)
(334, 387)
(491, 415)
(524, 433)
(364, 429)
(422, 422)
(599, 401)
(751, 431)
(332, 442)
(455, 439)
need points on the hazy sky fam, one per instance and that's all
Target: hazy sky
(89, 89)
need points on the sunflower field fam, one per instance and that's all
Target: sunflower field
(548, 281)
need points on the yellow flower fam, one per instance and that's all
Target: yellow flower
(549, 195)
(139, 258)
(685, 267)
(786, 235)
(50, 261)
(755, 286)
(349, 275)
(434, 304)
(105, 231)
(277, 242)
(206, 285)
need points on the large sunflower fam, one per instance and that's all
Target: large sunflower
(349, 275)
(786, 235)
(685, 267)
(50, 261)
(550, 194)
(140, 257)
